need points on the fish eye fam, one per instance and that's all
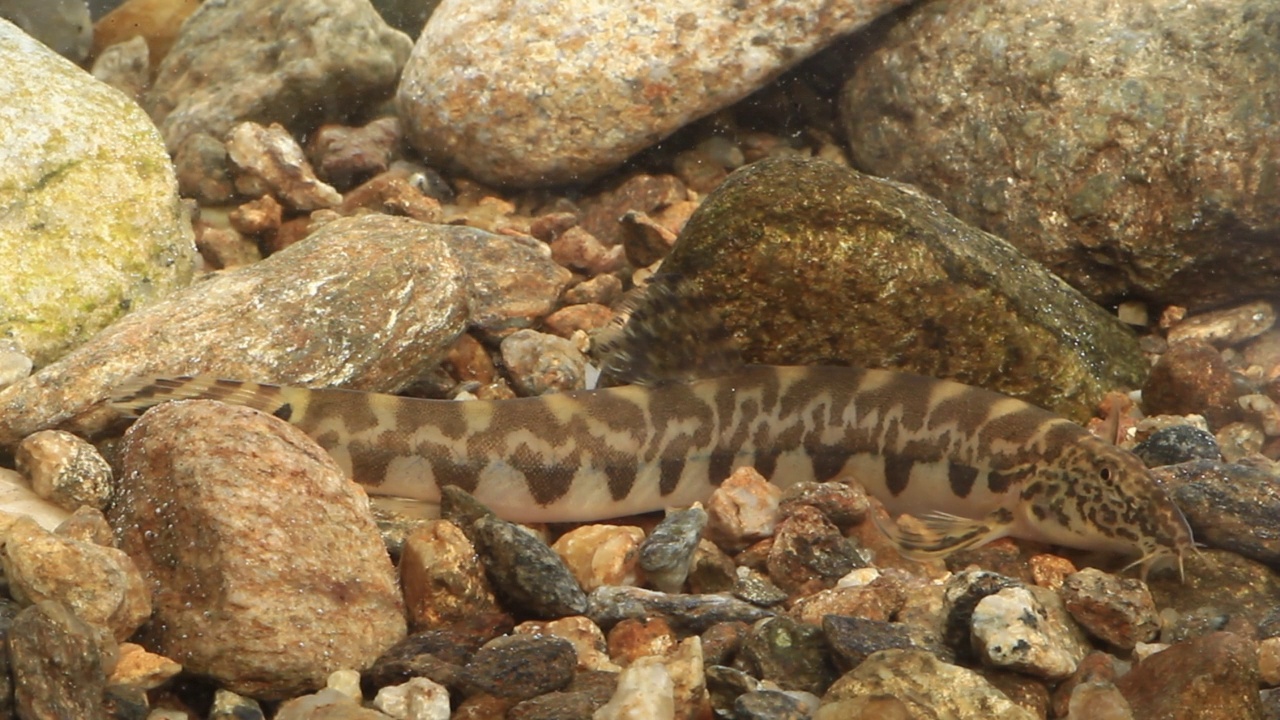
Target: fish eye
(1105, 474)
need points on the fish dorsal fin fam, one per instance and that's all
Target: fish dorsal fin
(665, 332)
(135, 396)
(937, 534)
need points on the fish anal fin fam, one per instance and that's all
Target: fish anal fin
(939, 534)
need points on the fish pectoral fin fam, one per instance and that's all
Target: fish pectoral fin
(938, 533)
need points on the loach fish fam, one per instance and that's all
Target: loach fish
(971, 464)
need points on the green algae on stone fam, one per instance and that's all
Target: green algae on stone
(808, 262)
(91, 224)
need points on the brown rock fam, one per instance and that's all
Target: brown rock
(587, 318)
(391, 194)
(809, 553)
(101, 585)
(743, 509)
(512, 281)
(260, 217)
(579, 250)
(204, 170)
(344, 156)
(317, 318)
(624, 78)
(141, 669)
(444, 583)
(59, 664)
(224, 248)
(1117, 154)
(320, 61)
(539, 363)
(267, 568)
(632, 639)
(879, 600)
(1214, 677)
(588, 640)
(600, 290)
(156, 21)
(641, 192)
(1226, 327)
(1118, 611)
(522, 666)
(1192, 378)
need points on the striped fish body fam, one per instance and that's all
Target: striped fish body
(975, 464)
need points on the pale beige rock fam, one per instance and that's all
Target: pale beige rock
(65, 470)
(743, 509)
(594, 81)
(1027, 630)
(645, 690)
(1269, 661)
(271, 162)
(600, 555)
(93, 224)
(417, 699)
(250, 534)
(18, 500)
(1227, 326)
(923, 685)
(586, 636)
(141, 669)
(539, 363)
(101, 585)
(367, 303)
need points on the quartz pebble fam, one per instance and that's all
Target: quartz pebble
(601, 555)
(743, 509)
(270, 161)
(65, 470)
(417, 699)
(645, 690)
(1015, 629)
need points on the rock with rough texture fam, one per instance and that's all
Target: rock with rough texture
(271, 162)
(1117, 610)
(789, 653)
(1027, 631)
(1229, 506)
(443, 582)
(92, 224)
(58, 663)
(522, 666)
(808, 262)
(524, 571)
(141, 669)
(266, 566)
(156, 22)
(417, 699)
(1128, 146)
(602, 555)
(101, 585)
(645, 690)
(299, 64)
(914, 684)
(1217, 675)
(513, 281)
(688, 613)
(539, 363)
(65, 470)
(594, 82)
(368, 303)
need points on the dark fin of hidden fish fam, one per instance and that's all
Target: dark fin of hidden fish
(665, 332)
(136, 396)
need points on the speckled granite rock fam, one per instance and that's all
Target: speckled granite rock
(810, 262)
(247, 533)
(298, 64)
(59, 663)
(597, 81)
(914, 683)
(92, 225)
(1131, 147)
(365, 302)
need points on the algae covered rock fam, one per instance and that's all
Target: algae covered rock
(808, 262)
(1131, 147)
(90, 222)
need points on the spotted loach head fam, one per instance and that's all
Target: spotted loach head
(1096, 496)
